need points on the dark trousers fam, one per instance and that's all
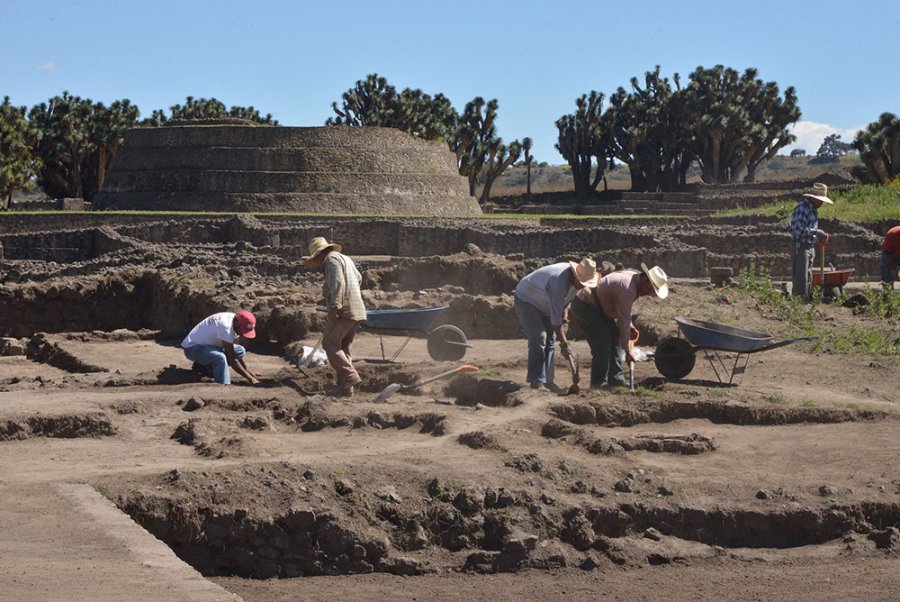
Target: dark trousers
(603, 338)
(889, 267)
(802, 256)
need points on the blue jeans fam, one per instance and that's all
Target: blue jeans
(888, 268)
(212, 355)
(541, 342)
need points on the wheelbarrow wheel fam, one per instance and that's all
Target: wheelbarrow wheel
(447, 343)
(674, 358)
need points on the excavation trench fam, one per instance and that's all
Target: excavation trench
(716, 412)
(284, 521)
(61, 426)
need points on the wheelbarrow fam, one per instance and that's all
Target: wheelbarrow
(675, 357)
(831, 280)
(445, 342)
(834, 280)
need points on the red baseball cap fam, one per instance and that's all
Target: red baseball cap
(247, 324)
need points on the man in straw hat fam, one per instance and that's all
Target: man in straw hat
(604, 314)
(541, 299)
(345, 309)
(805, 234)
(212, 344)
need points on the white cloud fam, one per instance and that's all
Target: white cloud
(810, 136)
(48, 66)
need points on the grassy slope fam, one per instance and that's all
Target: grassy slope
(865, 203)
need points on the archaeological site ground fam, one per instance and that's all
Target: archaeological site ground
(126, 476)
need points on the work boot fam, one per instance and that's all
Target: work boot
(347, 389)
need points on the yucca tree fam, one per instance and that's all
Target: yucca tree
(646, 129)
(770, 117)
(374, 102)
(76, 141)
(879, 147)
(526, 150)
(581, 141)
(736, 121)
(479, 151)
(427, 117)
(196, 109)
(17, 162)
(499, 157)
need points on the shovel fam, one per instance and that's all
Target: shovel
(822, 244)
(636, 335)
(394, 387)
(631, 375)
(576, 377)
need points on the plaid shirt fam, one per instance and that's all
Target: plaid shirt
(342, 287)
(804, 219)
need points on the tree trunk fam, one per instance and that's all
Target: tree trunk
(528, 181)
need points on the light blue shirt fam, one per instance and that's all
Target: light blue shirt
(549, 289)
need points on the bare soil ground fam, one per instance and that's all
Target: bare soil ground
(785, 485)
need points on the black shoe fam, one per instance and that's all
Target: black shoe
(201, 370)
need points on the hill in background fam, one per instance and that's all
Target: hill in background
(558, 178)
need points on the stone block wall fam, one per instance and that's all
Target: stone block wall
(685, 247)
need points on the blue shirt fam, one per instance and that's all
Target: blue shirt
(804, 219)
(549, 289)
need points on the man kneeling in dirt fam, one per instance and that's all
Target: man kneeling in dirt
(212, 344)
(345, 310)
(541, 299)
(604, 314)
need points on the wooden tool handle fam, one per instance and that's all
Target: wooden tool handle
(463, 368)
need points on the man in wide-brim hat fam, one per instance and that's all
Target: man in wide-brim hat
(805, 233)
(541, 301)
(346, 310)
(604, 314)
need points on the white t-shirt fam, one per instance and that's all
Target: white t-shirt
(216, 330)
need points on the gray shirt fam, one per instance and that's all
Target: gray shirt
(549, 289)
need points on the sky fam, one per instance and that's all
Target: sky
(294, 58)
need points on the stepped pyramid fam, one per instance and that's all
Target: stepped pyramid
(245, 168)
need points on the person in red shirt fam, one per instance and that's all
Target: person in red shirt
(890, 256)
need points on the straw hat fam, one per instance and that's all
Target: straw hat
(820, 193)
(317, 246)
(658, 279)
(586, 271)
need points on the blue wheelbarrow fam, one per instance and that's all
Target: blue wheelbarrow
(445, 342)
(675, 357)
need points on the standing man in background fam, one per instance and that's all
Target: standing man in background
(805, 234)
(346, 310)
